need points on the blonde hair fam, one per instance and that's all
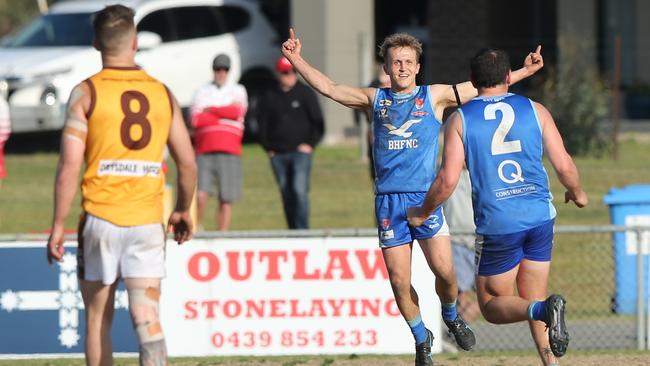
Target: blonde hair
(400, 40)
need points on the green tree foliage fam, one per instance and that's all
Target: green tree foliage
(578, 99)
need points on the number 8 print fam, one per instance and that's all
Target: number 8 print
(135, 118)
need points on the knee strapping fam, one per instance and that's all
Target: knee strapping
(147, 299)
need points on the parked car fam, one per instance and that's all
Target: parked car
(41, 63)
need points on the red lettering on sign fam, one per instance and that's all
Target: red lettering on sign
(190, 310)
(295, 313)
(211, 263)
(205, 266)
(255, 306)
(336, 305)
(339, 260)
(276, 308)
(391, 308)
(233, 265)
(273, 257)
(232, 309)
(378, 266)
(372, 307)
(210, 306)
(301, 264)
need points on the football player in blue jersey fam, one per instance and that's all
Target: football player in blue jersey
(502, 137)
(406, 121)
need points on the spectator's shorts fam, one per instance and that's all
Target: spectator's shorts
(496, 254)
(226, 169)
(392, 223)
(107, 252)
(464, 266)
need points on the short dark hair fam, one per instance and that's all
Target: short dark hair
(489, 67)
(112, 24)
(400, 40)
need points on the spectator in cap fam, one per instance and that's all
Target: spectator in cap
(217, 115)
(290, 126)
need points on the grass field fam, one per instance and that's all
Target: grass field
(620, 358)
(341, 191)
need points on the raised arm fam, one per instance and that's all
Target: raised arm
(443, 186)
(561, 161)
(444, 95)
(358, 98)
(73, 144)
(181, 151)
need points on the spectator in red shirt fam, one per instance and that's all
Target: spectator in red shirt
(217, 115)
(5, 130)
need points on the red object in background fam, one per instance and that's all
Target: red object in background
(3, 171)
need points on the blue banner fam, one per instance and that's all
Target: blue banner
(41, 310)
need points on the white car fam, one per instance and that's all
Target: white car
(178, 39)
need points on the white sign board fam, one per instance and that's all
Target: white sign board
(288, 296)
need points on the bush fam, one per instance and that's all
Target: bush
(578, 99)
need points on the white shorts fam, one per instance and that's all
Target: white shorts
(107, 252)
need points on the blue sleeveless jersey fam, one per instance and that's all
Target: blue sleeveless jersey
(503, 151)
(406, 141)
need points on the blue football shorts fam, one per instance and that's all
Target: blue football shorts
(392, 223)
(496, 254)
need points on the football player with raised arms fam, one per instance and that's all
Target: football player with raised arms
(501, 137)
(407, 119)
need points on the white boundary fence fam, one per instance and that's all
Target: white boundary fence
(314, 292)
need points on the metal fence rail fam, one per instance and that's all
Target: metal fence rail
(584, 269)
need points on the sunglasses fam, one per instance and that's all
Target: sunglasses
(226, 69)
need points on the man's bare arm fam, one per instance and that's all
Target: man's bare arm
(358, 98)
(443, 186)
(73, 144)
(560, 159)
(180, 148)
(445, 97)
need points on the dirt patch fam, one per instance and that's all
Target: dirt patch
(599, 359)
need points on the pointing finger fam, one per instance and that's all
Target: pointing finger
(292, 34)
(538, 49)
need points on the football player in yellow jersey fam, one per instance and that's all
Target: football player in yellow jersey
(118, 123)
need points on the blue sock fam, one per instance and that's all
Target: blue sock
(537, 310)
(418, 329)
(449, 311)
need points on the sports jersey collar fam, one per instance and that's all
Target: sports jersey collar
(406, 95)
(122, 68)
(493, 97)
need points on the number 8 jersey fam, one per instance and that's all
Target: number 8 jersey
(128, 125)
(503, 150)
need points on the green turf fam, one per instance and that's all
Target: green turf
(341, 190)
(623, 357)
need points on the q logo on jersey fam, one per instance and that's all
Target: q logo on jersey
(514, 176)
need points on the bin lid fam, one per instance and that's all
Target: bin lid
(632, 194)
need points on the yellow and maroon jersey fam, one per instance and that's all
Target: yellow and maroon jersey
(128, 124)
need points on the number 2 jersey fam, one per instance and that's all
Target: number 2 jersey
(405, 141)
(128, 125)
(503, 150)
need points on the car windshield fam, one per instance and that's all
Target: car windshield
(55, 30)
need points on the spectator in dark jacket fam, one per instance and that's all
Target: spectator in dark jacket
(290, 126)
